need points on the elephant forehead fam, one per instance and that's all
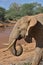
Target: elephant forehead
(24, 26)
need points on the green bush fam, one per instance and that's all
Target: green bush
(16, 11)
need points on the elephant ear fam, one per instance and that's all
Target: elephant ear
(33, 21)
(40, 18)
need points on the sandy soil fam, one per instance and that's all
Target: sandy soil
(7, 58)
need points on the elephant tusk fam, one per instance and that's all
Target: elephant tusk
(9, 46)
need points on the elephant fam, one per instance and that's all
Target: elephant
(26, 27)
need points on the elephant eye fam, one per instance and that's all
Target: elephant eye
(29, 22)
(18, 27)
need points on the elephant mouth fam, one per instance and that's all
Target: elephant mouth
(28, 39)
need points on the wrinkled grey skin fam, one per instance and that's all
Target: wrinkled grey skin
(22, 28)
